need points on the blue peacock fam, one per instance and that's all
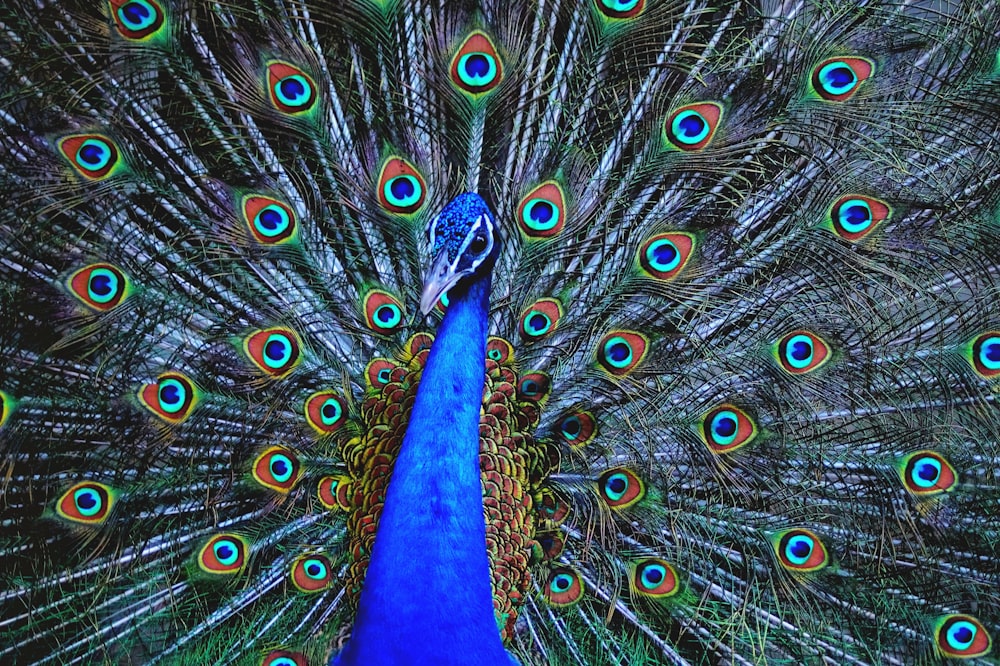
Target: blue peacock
(556, 332)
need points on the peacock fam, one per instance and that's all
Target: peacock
(477, 332)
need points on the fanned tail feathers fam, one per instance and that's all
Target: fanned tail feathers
(740, 405)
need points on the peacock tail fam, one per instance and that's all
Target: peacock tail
(739, 394)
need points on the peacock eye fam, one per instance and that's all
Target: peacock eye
(478, 244)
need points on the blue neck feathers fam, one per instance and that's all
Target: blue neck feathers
(427, 597)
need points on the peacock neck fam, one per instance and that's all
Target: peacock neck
(427, 596)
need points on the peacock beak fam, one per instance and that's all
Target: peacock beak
(441, 277)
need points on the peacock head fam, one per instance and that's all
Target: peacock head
(463, 241)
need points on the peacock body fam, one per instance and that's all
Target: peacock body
(401, 332)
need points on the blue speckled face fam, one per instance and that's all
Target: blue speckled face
(462, 238)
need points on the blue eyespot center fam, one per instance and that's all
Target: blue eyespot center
(838, 78)
(724, 426)
(137, 15)
(665, 255)
(541, 211)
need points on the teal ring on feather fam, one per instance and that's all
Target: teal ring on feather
(86, 503)
(577, 429)
(726, 428)
(534, 386)
(962, 636)
(401, 188)
(326, 412)
(278, 469)
(99, 286)
(383, 311)
(837, 79)
(274, 351)
(620, 488)
(270, 221)
(800, 550)
(476, 68)
(379, 372)
(137, 20)
(172, 397)
(692, 127)
(311, 573)
(540, 319)
(499, 350)
(985, 355)
(655, 578)
(93, 156)
(541, 213)
(801, 351)
(223, 554)
(620, 352)
(290, 89)
(620, 9)
(854, 216)
(664, 255)
(927, 473)
(564, 587)
(284, 658)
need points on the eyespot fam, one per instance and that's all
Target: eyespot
(87, 503)
(137, 19)
(665, 255)
(499, 350)
(984, 355)
(926, 473)
(563, 587)
(854, 216)
(620, 488)
(284, 658)
(92, 156)
(291, 90)
(800, 352)
(311, 573)
(476, 67)
(692, 127)
(275, 351)
(620, 352)
(577, 429)
(540, 319)
(383, 312)
(277, 468)
(534, 387)
(223, 554)
(7, 404)
(401, 188)
(335, 492)
(172, 397)
(799, 550)
(542, 211)
(418, 343)
(653, 577)
(837, 79)
(551, 543)
(961, 636)
(620, 9)
(551, 507)
(727, 428)
(380, 373)
(99, 286)
(271, 222)
(326, 412)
